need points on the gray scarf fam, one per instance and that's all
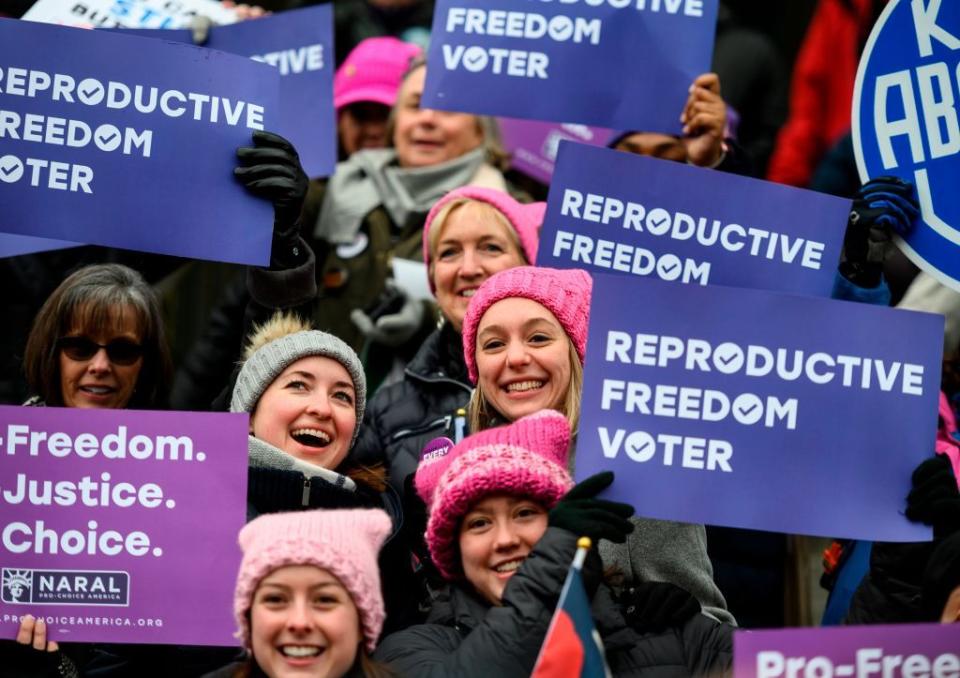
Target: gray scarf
(265, 455)
(372, 178)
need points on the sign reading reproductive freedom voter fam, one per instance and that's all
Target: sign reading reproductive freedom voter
(127, 142)
(905, 122)
(121, 526)
(625, 64)
(753, 409)
(857, 651)
(623, 213)
(300, 44)
(127, 13)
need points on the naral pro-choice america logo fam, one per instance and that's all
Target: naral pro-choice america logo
(65, 587)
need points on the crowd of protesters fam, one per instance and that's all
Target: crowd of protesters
(364, 557)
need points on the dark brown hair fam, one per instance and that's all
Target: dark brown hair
(94, 297)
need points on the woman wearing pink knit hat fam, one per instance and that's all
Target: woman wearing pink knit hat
(524, 342)
(470, 234)
(308, 600)
(503, 527)
(365, 88)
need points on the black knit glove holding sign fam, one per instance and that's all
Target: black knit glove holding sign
(580, 512)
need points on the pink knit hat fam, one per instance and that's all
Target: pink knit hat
(566, 293)
(372, 72)
(526, 458)
(343, 542)
(525, 219)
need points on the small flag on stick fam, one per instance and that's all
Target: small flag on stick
(572, 647)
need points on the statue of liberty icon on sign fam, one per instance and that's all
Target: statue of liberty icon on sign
(17, 586)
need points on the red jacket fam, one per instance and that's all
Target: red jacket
(821, 91)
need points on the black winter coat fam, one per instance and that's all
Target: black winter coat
(466, 637)
(890, 592)
(403, 417)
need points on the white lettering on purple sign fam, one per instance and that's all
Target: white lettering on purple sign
(93, 93)
(703, 404)
(707, 232)
(868, 662)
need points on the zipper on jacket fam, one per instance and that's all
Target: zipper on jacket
(305, 499)
(444, 421)
(437, 380)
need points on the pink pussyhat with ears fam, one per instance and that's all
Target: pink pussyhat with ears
(565, 293)
(343, 542)
(525, 219)
(527, 458)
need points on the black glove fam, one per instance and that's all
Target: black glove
(655, 606)
(23, 661)
(883, 206)
(935, 499)
(579, 512)
(271, 170)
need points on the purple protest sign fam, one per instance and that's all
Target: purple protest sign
(861, 651)
(625, 64)
(753, 409)
(126, 142)
(533, 145)
(300, 44)
(15, 245)
(121, 526)
(618, 212)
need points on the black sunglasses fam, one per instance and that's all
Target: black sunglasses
(119, 351)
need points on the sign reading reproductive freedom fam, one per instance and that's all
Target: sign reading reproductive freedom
(623, 213)
(626, 64)
(753, 409)
(127, 13)
(121, 526)
(300, 44)
(905, 122)
(858, 651)
(533, 145)
(126, 142)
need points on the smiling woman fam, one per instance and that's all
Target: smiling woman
(98, 342)
(305, 391)
(502, 530)
(524, 343)
(308, 599)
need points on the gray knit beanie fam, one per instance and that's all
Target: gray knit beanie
(268, 361)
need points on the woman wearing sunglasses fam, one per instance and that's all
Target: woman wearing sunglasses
(98, 342)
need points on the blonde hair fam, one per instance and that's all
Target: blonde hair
(493, 148)
(481, 415)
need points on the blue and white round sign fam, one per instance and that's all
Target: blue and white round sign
(906, 121)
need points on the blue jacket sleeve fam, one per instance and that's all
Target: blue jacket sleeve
(845, 290)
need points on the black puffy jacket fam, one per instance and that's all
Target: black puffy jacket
(467, 637)
(402, 417)
(890, 591)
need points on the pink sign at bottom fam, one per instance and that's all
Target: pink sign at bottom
(907, 651)
(121, 526)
